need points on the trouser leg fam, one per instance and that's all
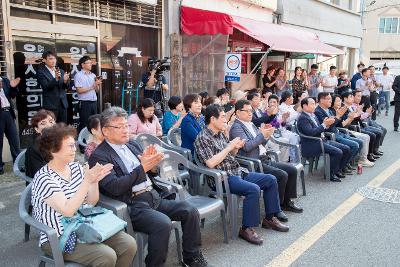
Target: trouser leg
(269, 185)
(251, 203)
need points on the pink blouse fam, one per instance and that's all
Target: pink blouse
(137, 127)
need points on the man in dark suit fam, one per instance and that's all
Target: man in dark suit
(254, 147)
(396, 89)
(54, 82)
(8, 90)
(308, 124)
(259, 117)
(128, 182)
(354, 144)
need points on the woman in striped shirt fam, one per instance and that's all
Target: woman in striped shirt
(61, 187)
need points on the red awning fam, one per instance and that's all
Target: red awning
(278, 37)
(198, 21)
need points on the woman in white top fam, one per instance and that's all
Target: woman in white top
(286, 106)
(61, 187)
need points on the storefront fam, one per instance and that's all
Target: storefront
(208, 35)
(120, 36)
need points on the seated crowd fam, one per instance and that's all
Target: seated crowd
(217, 131)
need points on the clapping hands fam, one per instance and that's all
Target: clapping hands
(150, 158)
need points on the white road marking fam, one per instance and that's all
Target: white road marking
(308, 239)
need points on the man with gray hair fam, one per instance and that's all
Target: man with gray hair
(128, 182)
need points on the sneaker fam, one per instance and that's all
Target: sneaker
(198, 261)
(366, 163)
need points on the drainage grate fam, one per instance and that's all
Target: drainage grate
(380, 194)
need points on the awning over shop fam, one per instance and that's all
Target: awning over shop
(198, 21)
(278, 37)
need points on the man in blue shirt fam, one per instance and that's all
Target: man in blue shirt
(86, 84)
(357, 76)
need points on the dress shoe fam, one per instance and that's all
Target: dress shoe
(380, 153)
(335, 179)
(396, 129)
(347, 171)
(340, 175)
(371, 158)
(275, 224)
(376, 155)
(250, 236)
(281, 216)
(291, 206)
(351, 167)
(197, 261)
(1, 171)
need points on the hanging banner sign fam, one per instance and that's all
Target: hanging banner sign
(233, 68)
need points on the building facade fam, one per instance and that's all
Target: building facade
(120, 36)
(336, 22)
(381, 35)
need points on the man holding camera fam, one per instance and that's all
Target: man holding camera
(150, 79)
(86, 84)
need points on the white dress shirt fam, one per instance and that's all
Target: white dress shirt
(4, 101)
(53, 72)
(131, 162)
(250, 126)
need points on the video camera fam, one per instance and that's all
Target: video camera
(160, 65)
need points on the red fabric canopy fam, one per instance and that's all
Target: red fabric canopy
(283, 38)
(278, 37)
(198, 21)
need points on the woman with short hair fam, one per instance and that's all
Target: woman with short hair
(33, 158)
(193, 122)
(173, 118)
(61, 187)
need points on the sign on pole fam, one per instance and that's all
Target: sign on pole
(232, 67)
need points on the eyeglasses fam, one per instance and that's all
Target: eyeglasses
(44, 123)
(249, 111)
(73, 146)
(122, 127)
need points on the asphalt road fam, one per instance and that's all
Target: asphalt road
(367, 236)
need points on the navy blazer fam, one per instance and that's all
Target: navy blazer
(321, 115)
(264, 118)
(53, 90)
(306, 126)
(118, 184)
(10, 92)
(251, 147)
(190, 128)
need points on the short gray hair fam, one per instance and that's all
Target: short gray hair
(111, 113)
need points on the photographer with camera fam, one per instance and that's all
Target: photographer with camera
(154, 82)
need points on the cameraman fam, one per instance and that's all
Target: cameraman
(149, 80)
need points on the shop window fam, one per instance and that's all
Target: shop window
(203, 58)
